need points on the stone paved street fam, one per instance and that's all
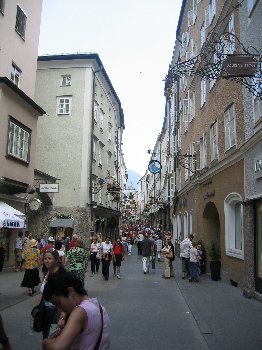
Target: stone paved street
(149, 313)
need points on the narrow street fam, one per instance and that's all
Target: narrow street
(149, 313)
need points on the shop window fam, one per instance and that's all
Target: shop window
(234, 226)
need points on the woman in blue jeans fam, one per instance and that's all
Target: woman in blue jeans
(194, 271)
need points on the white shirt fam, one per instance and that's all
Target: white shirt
(185, 247)
(94, 247)
(193, 255)
(106, 247)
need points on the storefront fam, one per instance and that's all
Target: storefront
(12, 221)
(61, 228)
(253, 222)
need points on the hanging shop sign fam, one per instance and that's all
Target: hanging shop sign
(239, 66)
(154, 166)
(49, 188)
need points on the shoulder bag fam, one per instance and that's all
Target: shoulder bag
(39, 315)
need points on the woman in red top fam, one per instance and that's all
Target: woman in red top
(118, 256)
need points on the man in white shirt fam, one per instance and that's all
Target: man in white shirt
(185, 247)
(106, 255)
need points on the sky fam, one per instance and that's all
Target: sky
(134, 40)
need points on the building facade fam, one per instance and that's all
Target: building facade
(19, 35)
(79, 143)
(250, 26)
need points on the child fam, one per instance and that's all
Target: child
(200, 254)
(194, 258)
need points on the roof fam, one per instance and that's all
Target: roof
(87, 56)
(24, 96)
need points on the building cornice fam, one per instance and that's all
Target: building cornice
(24, 96)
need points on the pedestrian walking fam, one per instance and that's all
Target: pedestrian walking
(168, 254)
(60, 249)
(106, 256)
(87, 324)
(159, 246)
(32, 262)
(2, 256)
(172, 258)
(147, 246)
(95, 256)
(73, 241)
(53, 264)
(77, 260)
(4, 340)
(194, 272)
(18, 252)
(118, 256)
(185, 247)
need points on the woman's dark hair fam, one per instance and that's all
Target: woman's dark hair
(58, 245)
(58, 284)
(54, 253)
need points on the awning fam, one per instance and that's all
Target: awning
(62, 223)
(9, 217)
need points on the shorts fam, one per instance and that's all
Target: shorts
(117, 260)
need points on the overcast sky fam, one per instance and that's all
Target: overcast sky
(135, 40)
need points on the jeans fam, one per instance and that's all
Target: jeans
(194, 272)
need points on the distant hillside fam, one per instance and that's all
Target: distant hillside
(133, 179)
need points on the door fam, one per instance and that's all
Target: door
(259, 246)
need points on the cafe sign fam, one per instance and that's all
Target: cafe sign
(239, 66)
(49, 188)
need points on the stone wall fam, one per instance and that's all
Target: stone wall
(38, 222)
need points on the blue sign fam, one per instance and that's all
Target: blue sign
(154, 166)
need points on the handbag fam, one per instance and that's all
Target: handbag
(39, 315)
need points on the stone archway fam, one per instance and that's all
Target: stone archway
(211, 223)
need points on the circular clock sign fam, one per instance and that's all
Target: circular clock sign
(154, 166)
(35, 204)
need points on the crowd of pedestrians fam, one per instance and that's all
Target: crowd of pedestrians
(64, 264)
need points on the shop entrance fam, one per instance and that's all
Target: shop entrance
(258, 255)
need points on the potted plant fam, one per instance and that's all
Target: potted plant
(213, 251)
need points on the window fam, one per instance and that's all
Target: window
(20, 23)
(94, 149)
(18, 141)
(185, 39)
(2, 6)
(191, 105)
(233, 225)
(93, 190)
(214, 141)
(65, 80)
(203, 92)
(186, 167)
(251, 6)
(191, 222)
(191, 161)
(64, 105)
(185, 114)
(109, 131)
(100, 151)
(101, 119)
(202, 34)
(257, 102)
(212, 82)
(15, 74)
(109, 160)
(95, 112)
(203, 152)
(230, 127)
(207, 16)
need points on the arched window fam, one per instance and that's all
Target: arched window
(233, 226)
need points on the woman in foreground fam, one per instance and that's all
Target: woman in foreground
(87, 324)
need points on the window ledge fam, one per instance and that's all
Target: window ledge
(22, 161)
(235, 253)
